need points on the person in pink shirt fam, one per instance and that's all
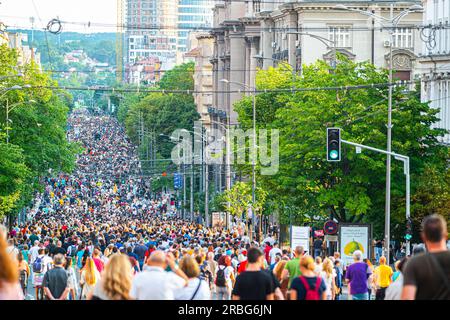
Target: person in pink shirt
(97, 260)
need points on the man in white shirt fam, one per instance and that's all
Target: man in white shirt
(269, 239)
(154, 283)
(274, 251)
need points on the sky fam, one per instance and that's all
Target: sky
(17, 13)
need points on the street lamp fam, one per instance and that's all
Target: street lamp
(392, 24)
(254, 155)
(324, 40)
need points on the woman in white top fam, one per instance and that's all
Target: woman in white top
(318, 266)
(196, 288)
(88, 279)
(329, 276)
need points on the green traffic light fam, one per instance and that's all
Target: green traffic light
(334, 154)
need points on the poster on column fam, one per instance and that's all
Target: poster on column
(354, 237)
(300, 237)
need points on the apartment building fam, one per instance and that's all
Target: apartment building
(435, 60)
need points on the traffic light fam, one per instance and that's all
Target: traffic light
(409, 229)
(333, 144)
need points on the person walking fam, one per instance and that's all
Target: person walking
(356, 276)
(308, 286)
(196, 288)
(154, 283)
(427, 276)
(329, 275)
(88, 278)
(254, 283)
(224, 278)
(24, 272)
(55, 280)
(116, 280)
(9, 276)
(292, 269)
(382, 278)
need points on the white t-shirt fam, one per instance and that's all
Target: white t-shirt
(273, 252)
(187, 293)
(328, 281)
(156, 284)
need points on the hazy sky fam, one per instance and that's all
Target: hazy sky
(17, 13)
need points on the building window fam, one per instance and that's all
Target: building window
(403, 38)
(340, 35)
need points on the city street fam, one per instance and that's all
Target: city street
(224, 150)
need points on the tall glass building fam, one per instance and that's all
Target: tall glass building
(193, 15)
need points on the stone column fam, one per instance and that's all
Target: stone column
(237, 62)
(266, 42)
(292, 38)
(253, 63)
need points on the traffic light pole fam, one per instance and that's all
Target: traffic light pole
(406, 170)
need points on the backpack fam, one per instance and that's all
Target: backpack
(73, 251)
(38, 265)
(311, 294)
(220, 278)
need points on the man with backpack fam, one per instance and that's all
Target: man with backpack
(40, 267)
(427, 275)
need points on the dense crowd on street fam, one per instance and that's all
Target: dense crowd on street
(101, 233)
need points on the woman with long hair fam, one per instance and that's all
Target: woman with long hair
(89, 278)
(278, 271)
(9, 275)
(197, 288)
(71, 280)
(116, 280)
(329, 275)
(24, 272)
(225, 278)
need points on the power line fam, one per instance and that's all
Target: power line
(139, 90)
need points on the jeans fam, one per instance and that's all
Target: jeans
(360, 296)
(317, 253)
(223, 293)
(378, 253)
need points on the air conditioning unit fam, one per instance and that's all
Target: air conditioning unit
(284, 36)
(278, 48)
(297, 43)
(386, 43)
(274, 44)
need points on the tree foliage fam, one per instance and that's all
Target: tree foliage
(352, 190)
(37, 137)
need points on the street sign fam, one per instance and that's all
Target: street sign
(300, 237)
(330, 227)
(331, 238)
(177, 181)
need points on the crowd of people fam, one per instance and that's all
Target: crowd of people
(101, 234)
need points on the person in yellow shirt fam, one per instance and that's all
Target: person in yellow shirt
(382, 278)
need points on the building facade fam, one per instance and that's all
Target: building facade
(435, 61)
(193, 15)
(257, 34)
(151, 31)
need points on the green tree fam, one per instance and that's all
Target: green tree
(179, 78)
(351, 190)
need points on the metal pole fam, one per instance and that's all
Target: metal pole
(254, 155)
(408, 214)
(208, 223)
(7, 122)
(192, 190)
(184, 190)
(387, 225)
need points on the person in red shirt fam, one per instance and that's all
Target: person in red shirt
(266, 251)
(243, 264)
(97, 261)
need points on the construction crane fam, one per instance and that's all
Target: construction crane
(119, 41)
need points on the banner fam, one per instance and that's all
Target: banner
(300, 237)
(351, 238)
